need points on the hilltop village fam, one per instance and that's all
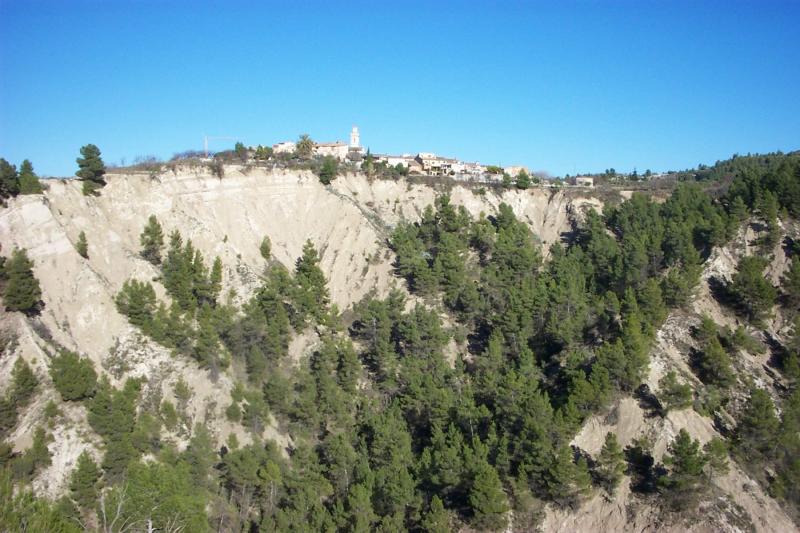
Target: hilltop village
(421, 163)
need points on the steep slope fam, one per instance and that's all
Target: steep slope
(739, 503)
(348, 222)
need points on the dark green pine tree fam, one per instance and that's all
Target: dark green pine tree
(673, 394)
(73, 376)
(28, 180)
(790, 283)
(24, 382)
(206, 348)
(757, 432)
(91, 169)
(9, 179)
(635, 342)
(437, 519)
(84, 482)
(361, 515)
(152, 241)
(686, 480)
(487, 499)
(137, 301)
(610, 463)
(311, 294)
(523, 180)
(22, 292)
(567, 480)
(755, 294)
(215, 279)
(82, 246)
(715, 364)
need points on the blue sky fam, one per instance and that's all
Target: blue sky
(559, 86)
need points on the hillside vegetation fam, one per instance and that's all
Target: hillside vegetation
(257, 351)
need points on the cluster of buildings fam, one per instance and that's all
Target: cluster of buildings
(338, 149)
(424, 163)
(433, 165)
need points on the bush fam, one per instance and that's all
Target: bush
(329, 170)
(81, 246)
(74, 377)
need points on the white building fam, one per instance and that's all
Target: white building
(405, 160)
(584, 181)
(286, 147)
(435, 165)
(515, 170)
(336, 149)
(339, 149)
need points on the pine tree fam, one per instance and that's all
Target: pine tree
(634, 342)
(716, 451)
(91, 169)
(137, 301)
(23, 382)
(754, 292)
(22, 291)
(757, 432)
(152, 241)
(437, 519)
(673, 394)
(566, 480)
(311, 294)
(28, 181)
(523, 180)
(790, 283)
(81, 246)
(361, 515)
(610, 463)
(206, 349)
(74, 377)
(36, 457)
(487, 499)
(738, 209)
(84, 482)
(9, 179)
(715, 364)
(685, 481)
(215, 279)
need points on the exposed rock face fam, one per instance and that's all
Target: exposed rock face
(348, 222)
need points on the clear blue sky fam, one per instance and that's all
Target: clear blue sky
(558, 86)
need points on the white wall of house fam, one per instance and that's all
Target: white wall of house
(286, 147)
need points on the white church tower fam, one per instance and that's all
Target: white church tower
(354, 138)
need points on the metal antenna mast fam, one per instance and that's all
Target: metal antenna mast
(206, 139)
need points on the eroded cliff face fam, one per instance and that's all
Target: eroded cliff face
(348, 222)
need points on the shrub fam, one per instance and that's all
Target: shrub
(81, 246)
(329, 170)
